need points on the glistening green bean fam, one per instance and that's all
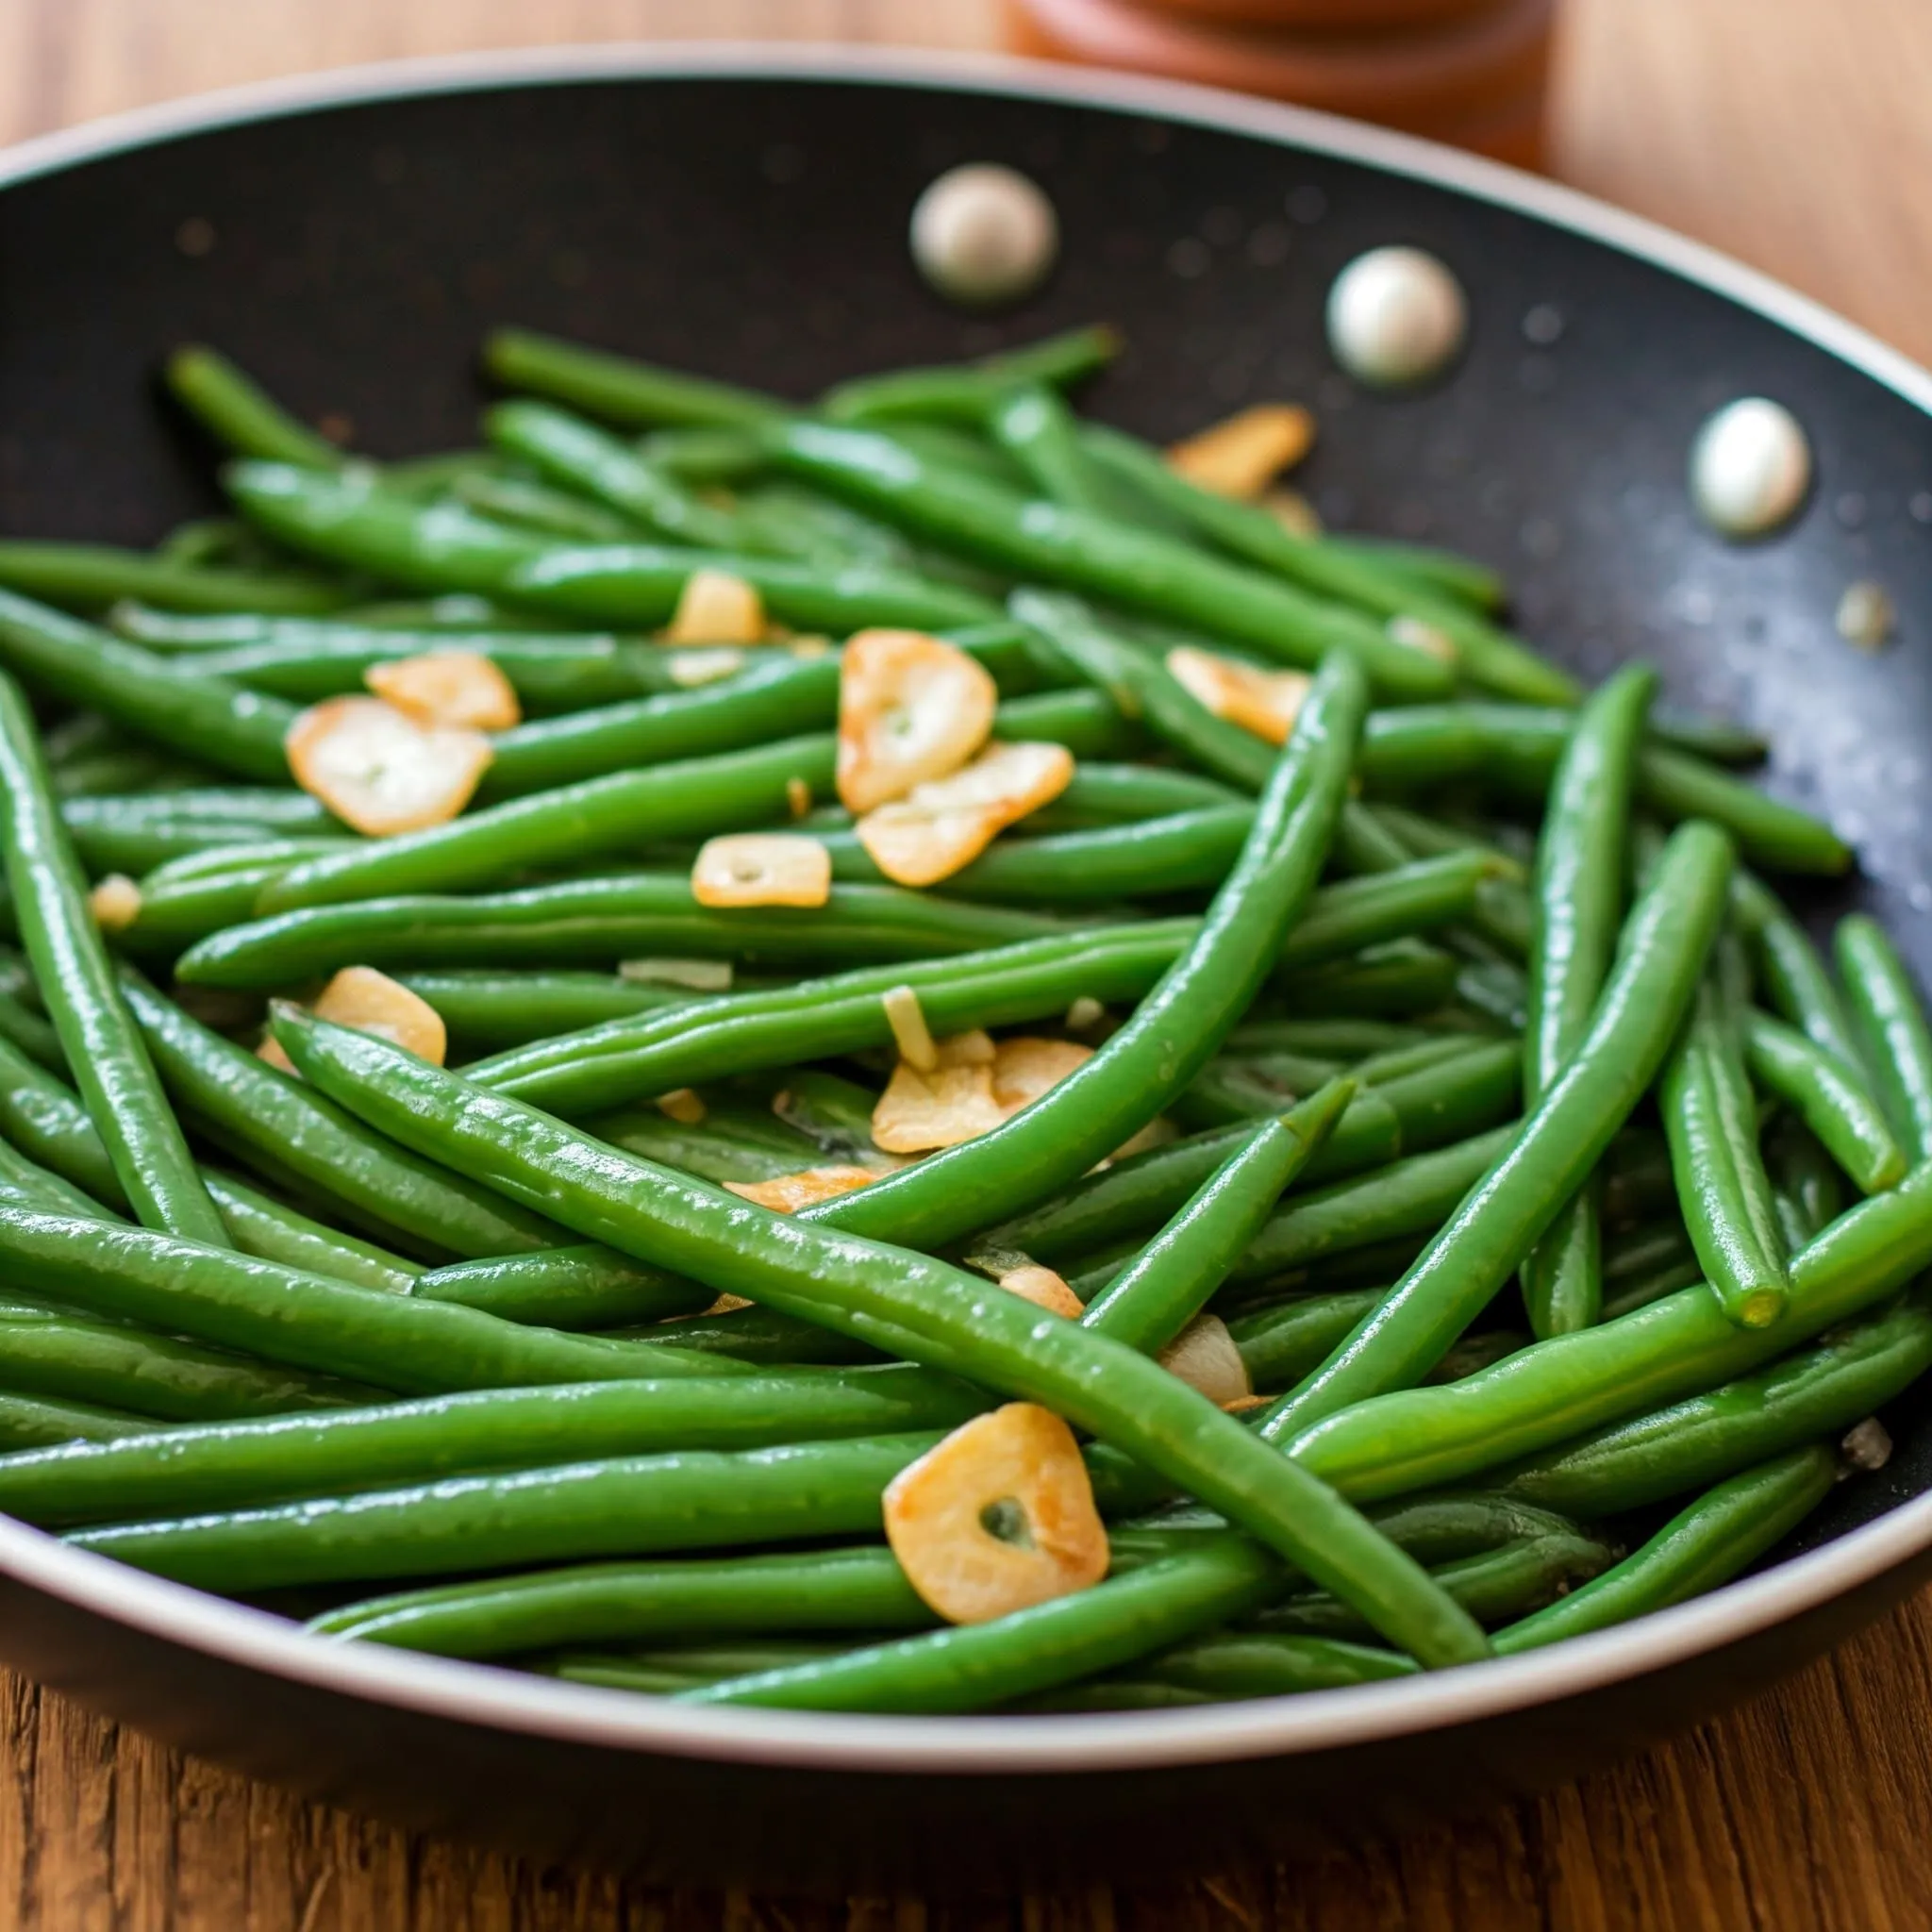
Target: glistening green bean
(1894, 1040)
(1659, 959)
(922, 1309)
(1580, 897)
(117, 1079)
(1829, 1100)
(1705, 1545)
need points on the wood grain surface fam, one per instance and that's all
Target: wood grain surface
(1793, 133)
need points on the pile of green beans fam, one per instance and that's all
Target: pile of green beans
(1363, 1043)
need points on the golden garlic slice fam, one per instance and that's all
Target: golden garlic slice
(459, 688)
(378, 770)
(1264, 701)
(997, 1516)
(762, 868)
(945, 825)
(1243, 455)
(911, 709)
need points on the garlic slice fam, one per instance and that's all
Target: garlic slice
(1243, 456)
(1264, 701)
(459, 688)
(762, 868)
(911, 709)
(941, 827)
(380, 772)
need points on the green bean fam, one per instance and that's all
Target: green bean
(1659, 959)
(1186, 852)
(41, 1422)
(615, 386)
(1711, 1120)
(1675, 1347)
(605, 1066)
(1819, 1391)
(268, 810)
(973, 1666)
(540, 509)
(771, 700)
(1153, 1300)
(304, 660)
(1074, 647)
(32, 1035)
(207, 718)
(579, 921)
(718, 454)
(1409, 1196)
(261, 1115)
(1425, 1109)
(239, 415)
(1894, 1039)
(1579, 900)
(279, 1460)
(600, 818)
(209, 892)
(491, 1012)
(258, 1224)
(1173, 1032)
(702, 1150)
(1280, 1345)
(1489, 656)
(1033, 425)
(1789, 969)
(143, 1141)
(816, 1019)
(1494, 1586)
(916, 1306)
(308, 1321)
(1829, 1101)
(350, 521)
(578, 1287)
(964, 391)
(613, 1506)
(1517, 747)
(90, 576)
(683, 1667)
(23, 1183)
(43, 1117)
(1228, 1667)
(856, 1588)
(566, 450)
(1102, 795)
(1725, 1532)
(1400, 979)
(1810, 1189)
(47, 1352)
(1136, 569)
(1343, 1040)
(761, 1335)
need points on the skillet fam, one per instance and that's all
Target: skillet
(741, 211)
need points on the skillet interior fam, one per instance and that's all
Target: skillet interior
(752, 226)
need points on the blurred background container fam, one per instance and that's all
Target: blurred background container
(1474, 73)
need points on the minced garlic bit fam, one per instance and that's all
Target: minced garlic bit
(715, 608)
(786, 1194)
(1865, 616)
(998, 1516)
(943, 825)
(1417, 634)
(378, 770)
(1084, 1013)
(911, 709)
(1868, 1446)
(1264, 701)
(115, 903)
(1243, 456)
(689, 669)
(1044, 1290)
(683, 1105)
(761, 869)
(797, 797)
(698, 976)
(459, 688)
(913, 1037)
(1204, 1356)
(920, 1112)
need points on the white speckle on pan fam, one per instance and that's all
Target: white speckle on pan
(1750, 468)
(1544, 326)
(983, 234)
(1865, 616)
(1188, 259)
(1921, 507)
(1396, 317)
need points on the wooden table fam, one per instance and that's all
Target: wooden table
(1791, 132)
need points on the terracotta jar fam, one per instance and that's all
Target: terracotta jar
(1472, 75)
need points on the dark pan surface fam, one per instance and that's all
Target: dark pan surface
(750, 225)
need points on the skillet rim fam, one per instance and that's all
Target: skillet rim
(477, 1693)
